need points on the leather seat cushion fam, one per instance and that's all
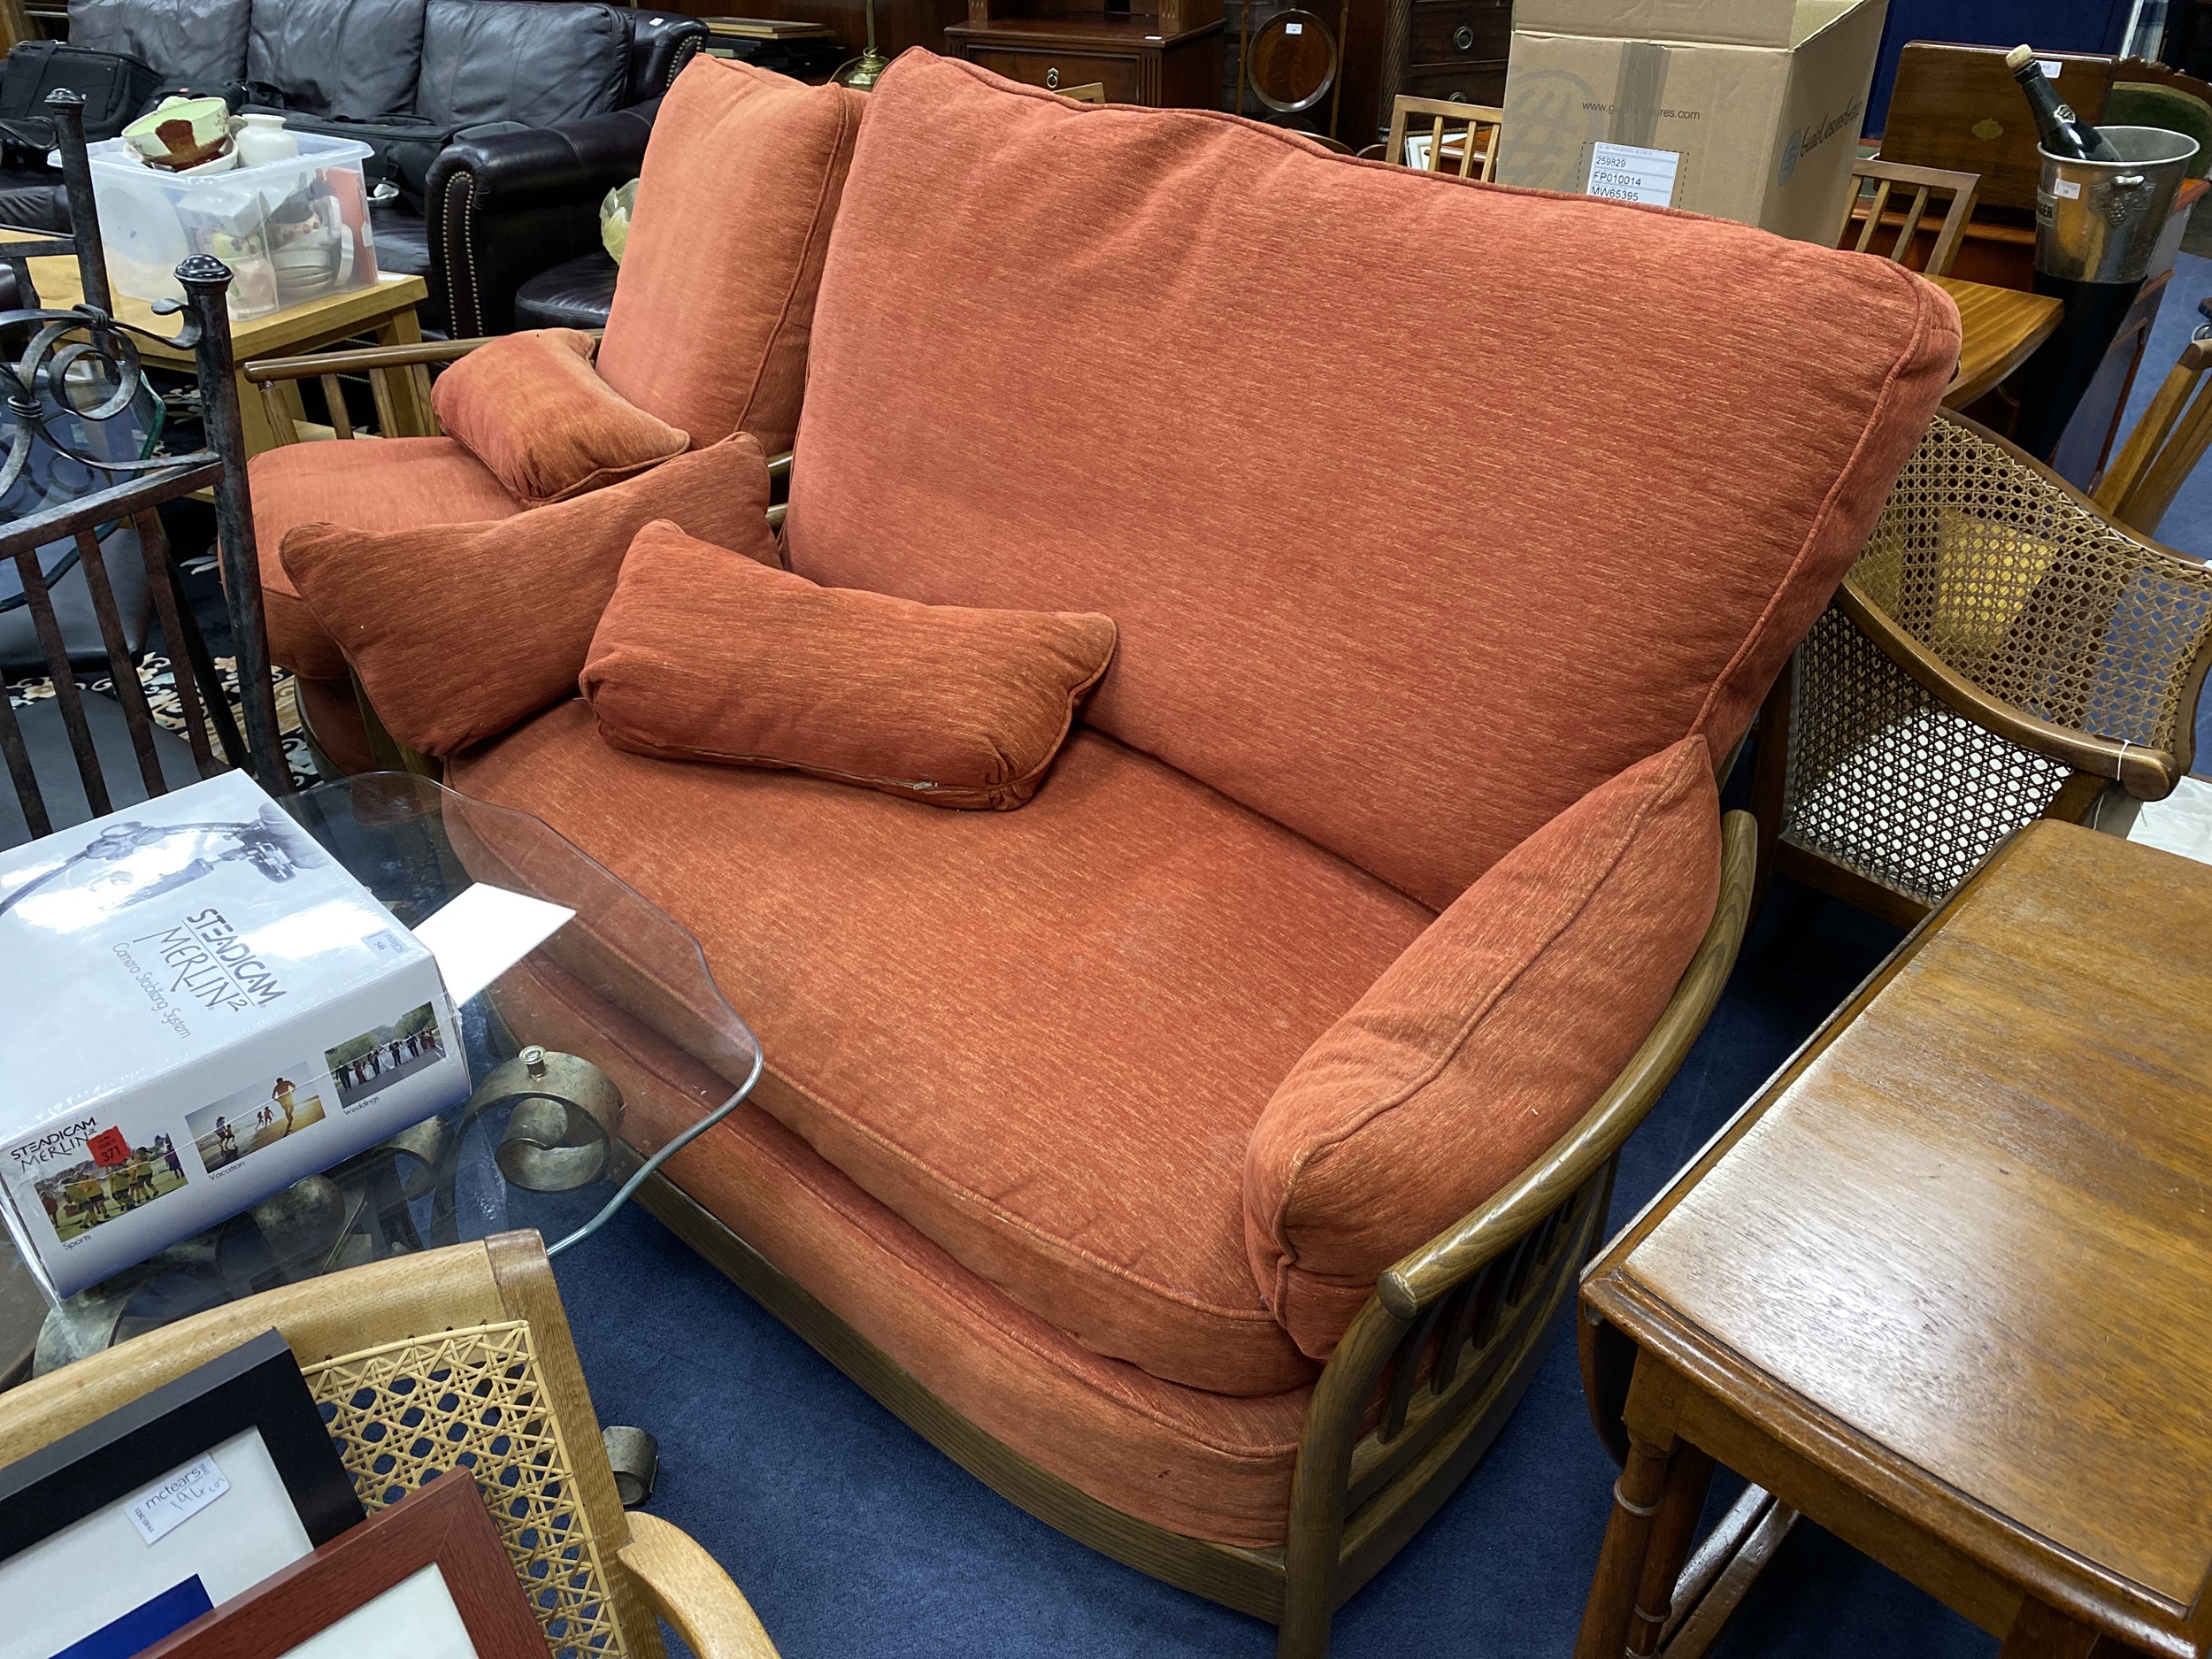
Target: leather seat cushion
(1043, 1038)
(1208, 1466)
(403, 238)
(575, 293)
(380, 484)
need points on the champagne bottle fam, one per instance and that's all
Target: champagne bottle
(2062, 131)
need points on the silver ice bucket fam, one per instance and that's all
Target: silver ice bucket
(2097, 222)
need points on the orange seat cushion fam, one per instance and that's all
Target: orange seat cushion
(1473, 565)
(1042, 1038)
(388, 484)
(529, 407)
(1484, 1043)
(459, 630)
(714, 305)
(703, 657)
(1209, 1465)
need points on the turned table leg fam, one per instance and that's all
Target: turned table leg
(1637, 1497)
(1682, 1504)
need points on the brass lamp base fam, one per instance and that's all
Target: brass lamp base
(863, 72)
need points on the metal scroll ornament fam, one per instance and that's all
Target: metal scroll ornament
(559, 1135)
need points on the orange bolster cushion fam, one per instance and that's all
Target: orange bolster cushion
(1480, 1046)
(531, 409)
(702, 656)
(459, 630)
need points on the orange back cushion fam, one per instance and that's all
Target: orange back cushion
(715, 302)
(1422, 507)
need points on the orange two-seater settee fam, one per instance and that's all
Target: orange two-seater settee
(1199, 1152)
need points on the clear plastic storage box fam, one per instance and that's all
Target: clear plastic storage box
(290, 230)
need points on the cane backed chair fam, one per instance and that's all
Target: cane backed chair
(2166, 445)
(2001, 651)
(74, 380)
(1874, 183)
(1465, 133)
(448, 1364)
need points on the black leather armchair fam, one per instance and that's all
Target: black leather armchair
(505, 207)
(502, 204)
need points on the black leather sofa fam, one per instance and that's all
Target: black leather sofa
(532, 108)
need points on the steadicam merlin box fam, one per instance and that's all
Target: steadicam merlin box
(201, 1006)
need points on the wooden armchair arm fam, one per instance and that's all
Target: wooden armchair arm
(2148, 774)
(685, 1585)
(1442, 1264)
(314, 365)
(2014, 600)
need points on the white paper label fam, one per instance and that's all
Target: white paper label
(1627, 173)
(1293, 29)
(484, 930)
(2066, 187)
(177, 1499)
(2050, 66)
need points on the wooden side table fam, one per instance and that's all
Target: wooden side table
(1946, 1286)
(385, 310)
(1999, 330)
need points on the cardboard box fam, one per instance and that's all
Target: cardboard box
(1748, 110)
(202, 1007)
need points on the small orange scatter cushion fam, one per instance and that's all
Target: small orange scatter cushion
(459, 630)
(1482, 1044)
(531, 408)
(704, 656)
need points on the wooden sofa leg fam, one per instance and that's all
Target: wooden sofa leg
(1304, 1633)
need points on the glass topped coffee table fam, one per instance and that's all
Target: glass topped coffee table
(536, 1144)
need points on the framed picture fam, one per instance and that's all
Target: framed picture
(128, 1529)
(426, 1579)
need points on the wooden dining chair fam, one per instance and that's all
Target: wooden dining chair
(1874, 184)
(70, 375)
(1478, 127)
(450, 1365)
(2166, 445)
(2001, 651)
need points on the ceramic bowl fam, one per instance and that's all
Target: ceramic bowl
(182, 133)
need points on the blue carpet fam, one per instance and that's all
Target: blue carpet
(855, 1540)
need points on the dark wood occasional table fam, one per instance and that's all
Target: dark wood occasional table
(1946, 1285)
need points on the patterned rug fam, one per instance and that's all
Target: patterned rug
(160, 682)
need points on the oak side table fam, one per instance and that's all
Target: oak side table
(1946, 1285)
(385, 311)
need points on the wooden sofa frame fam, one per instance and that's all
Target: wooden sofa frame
(1422, 1380)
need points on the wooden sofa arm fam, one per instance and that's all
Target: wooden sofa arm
(685, 1585)
(2148, 774)
(1442, 1264)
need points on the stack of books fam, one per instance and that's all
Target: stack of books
(807, 51)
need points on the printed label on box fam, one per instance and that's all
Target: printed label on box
(1627, 173)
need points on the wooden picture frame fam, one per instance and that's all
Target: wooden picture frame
(223, 1474)
(440, 1536)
